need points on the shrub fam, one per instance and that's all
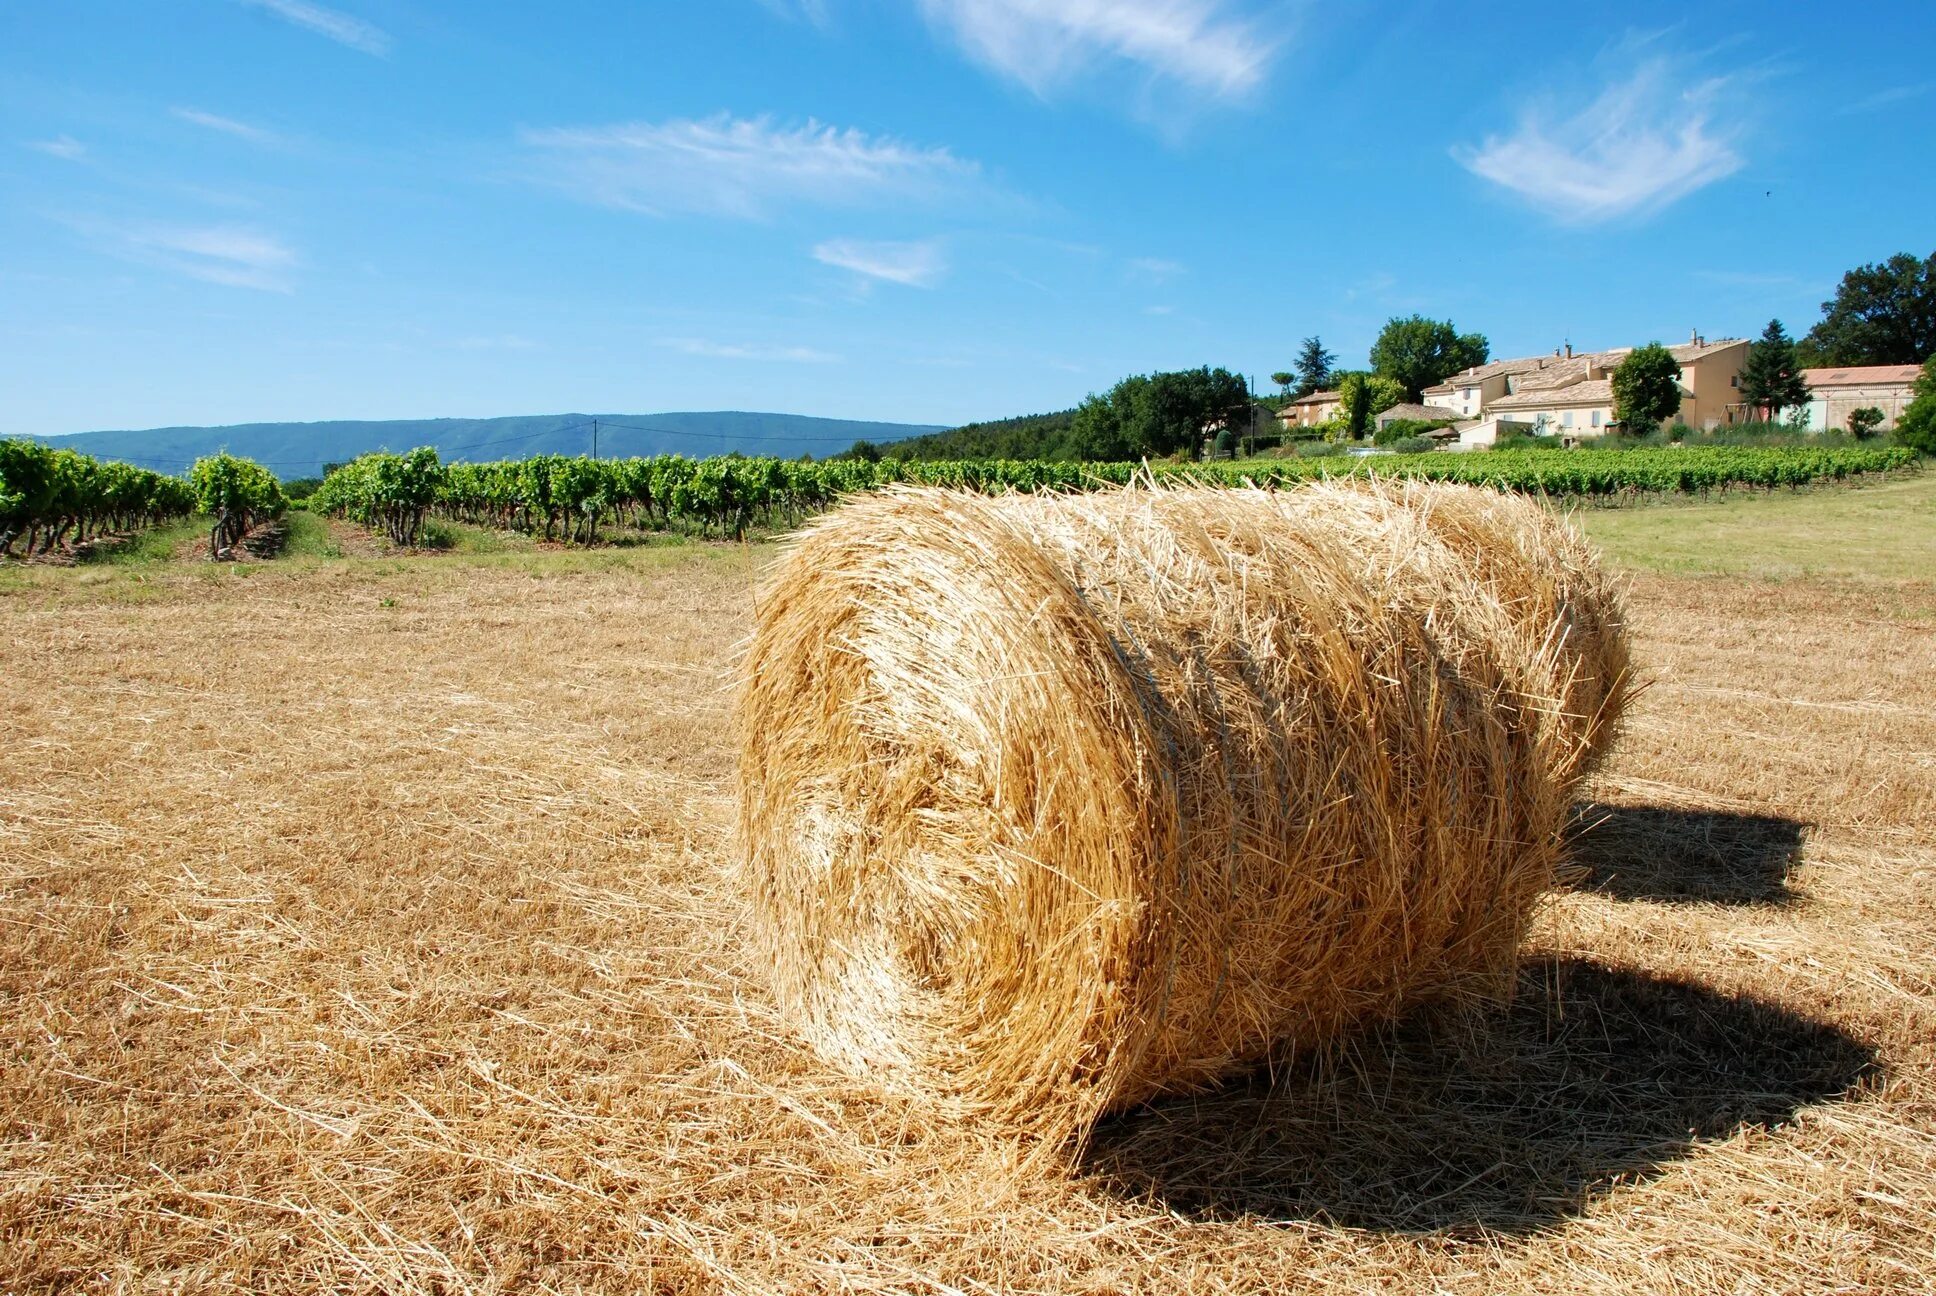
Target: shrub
(1414, 445)
(1521, 441)
(1864, 422)
(1398, 429)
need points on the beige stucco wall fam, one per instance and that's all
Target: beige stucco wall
(1714, 384)
(1565, 420)
(1830, 406)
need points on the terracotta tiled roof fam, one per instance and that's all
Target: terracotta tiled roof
(1424, 412)
(1585, 391)
(1533, 368)
(1861, 376)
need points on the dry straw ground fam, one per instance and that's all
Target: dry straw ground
(364, 926)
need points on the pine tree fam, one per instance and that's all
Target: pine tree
(1313, 366)
(1772, 377)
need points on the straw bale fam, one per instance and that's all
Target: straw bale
(1050, 805)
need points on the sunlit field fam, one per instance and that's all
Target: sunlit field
(368, 921)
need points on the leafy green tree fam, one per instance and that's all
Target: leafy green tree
(1916, 428)
(1361, 398)
(1314, 367)
(1880, 315)
(1283, 379)
(1417, 353)
(1771, 378)
(1863, 422)
(1160, 414)
(1646, 388)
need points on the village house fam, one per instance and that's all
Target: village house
(1834, 393)
(1309, 410)
(1571, 395)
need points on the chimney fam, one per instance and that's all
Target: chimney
(1569, 350)
(1694, 337)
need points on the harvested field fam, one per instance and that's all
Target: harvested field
(366, 924)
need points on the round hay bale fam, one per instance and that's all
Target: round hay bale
(1550, 582)
(1053, 804)
(1557, 606)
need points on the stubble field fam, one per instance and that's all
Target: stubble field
(368, 923)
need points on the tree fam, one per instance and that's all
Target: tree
(1314, 365)
(1646, 388)
(1863, 422)
(1880, 315)
(1361, 398)
(1916, 428)
(1161, 414)
(1283, 381)
(1417, 353)
(1771, 379)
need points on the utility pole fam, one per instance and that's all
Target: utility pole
(594, 438)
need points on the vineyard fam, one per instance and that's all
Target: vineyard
(570, 499)
(53, 497)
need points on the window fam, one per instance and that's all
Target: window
(1566, 419)
(1735, 381)
(1596, 418)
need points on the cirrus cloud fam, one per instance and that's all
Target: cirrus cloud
(340, 27)
(742, 167)
(65, 147)
(233, 255)
(1199, 44)
(917, 265)
(223, 125)
(711, 350)
(1637, 148)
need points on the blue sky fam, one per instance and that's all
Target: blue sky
(216, 211)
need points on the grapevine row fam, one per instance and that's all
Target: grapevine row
(567, 498)
(52, 497)
(236, 494)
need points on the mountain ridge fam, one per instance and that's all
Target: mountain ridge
(294, 449)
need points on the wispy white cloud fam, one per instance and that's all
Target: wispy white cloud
(234, 255)
(338, 26)
(61, 146)
(918, 265)
(814, 11)
(732, 351)
(1640, 146)
(501, 342)
(1884, 98)
(1199, 44)
(744, 167)
(224, 125)
(1159, 310)
(1156, 268)
(1377, 284)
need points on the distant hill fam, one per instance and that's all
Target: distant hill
(302, 449)
(1028, 436)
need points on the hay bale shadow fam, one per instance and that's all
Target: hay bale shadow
(1684, 855)
(1503, 1121)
